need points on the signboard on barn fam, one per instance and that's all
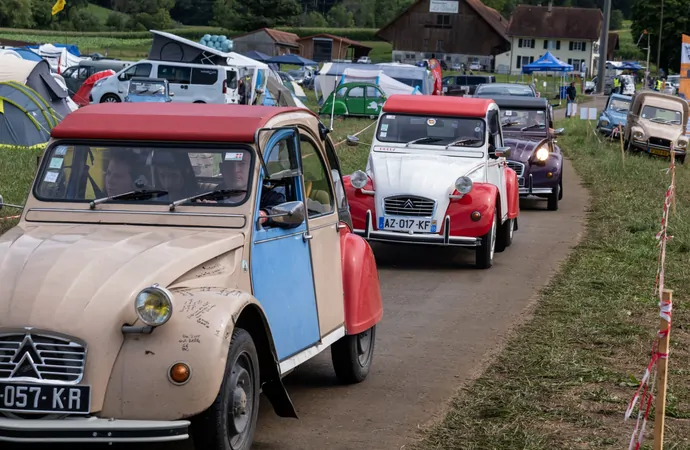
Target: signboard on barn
(444, 6)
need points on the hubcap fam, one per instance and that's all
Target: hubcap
(493, 240)
(241, 403)
(110, 100)
(364, 347)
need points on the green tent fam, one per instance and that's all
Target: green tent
(26, 119)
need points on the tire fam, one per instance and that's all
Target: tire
(199, 101)
(352, 356)
(505, 235)
(110, 98)
(560, 190)
(552, 199)
(217, 427)
(484, 257)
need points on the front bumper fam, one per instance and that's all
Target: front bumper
(526, 187)
(398, 237)
(92, 430)
(658, 150)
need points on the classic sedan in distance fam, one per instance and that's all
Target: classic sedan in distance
(437, 175)
(168, 268)
(614, 117)
(527, 127)
(490, 90)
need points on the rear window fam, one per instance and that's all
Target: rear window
(175, 74)
(204, 76)
(513, 89)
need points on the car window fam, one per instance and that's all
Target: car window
(516, 89)
(204, 76)
(137, 70)
(317, 187)
(231, 79)
(341, 92)
(657, 114)
(69, 73)
(80, 173)
(147, 88)
(431, 130)
(512, 119)
(175, 74)
(356, 92)
(619, 105)
(340, 198)
(373, 92)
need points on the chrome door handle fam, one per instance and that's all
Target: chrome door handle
(339, 226)
(307, 237)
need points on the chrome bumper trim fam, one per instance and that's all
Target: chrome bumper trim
(531, 190)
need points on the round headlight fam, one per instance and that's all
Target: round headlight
(154, 306)
(605, 123)
(542, 154)
(463, 185)
(638, 134)
(682, 144)
(359, 179)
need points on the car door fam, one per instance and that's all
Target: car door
(281, 264)
(205, 86)
(324, 232)
(373, 100)
(71, 76)
(179, 78)
(354, 100)
(497, 166)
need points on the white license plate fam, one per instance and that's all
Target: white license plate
(407, 224)
(41, 398)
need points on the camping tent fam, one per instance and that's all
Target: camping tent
(293, 59)
(59, 56)
(388, 85)
(547, 63)
(37, 76)
(81, 97)
(256, 56)
(26, 119)
(26, 54)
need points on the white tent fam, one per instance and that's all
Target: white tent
(325, 84)
(59, 58)
(12, 69)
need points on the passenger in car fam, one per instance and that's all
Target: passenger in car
(174, 173)
(119, 173)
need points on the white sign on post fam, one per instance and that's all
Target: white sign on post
(444, 6)
(592, 114)
(583, 113)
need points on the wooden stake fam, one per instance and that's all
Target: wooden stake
(620, 136)
(673, 163)
(661, 377)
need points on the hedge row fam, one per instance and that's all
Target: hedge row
(195, 33)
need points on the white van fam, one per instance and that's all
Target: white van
(190, 83)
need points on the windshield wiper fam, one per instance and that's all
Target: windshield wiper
(138, 194)
(219, 194)
(531, 126)
(660, 120)
(462, 141)
(423, 139)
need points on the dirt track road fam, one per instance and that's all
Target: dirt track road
(443, 320)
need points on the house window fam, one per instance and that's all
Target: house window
(439, 45)
(425, 44)
(578, 46)
(552, 44)
(443, 20)
(526, 43)
(576, 63)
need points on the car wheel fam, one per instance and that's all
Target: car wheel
(110, 98)
(560, 189)
(505, 235)
(199, 101)
(230, 422)
(352, 356)
(552, 199)
(484, 257)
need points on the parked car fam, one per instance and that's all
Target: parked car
(75, 76)
(168, 268)
(655, 122)
(528, 131)
(364, 60)
(143, 90)
(191, 83)
(436, 176)
(500, 89)
(354, 99)
(459, 85)
(591, 86)
(425, 63)
(475, 65)
(456, 67)
(613, 118)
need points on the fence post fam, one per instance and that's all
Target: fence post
(661, 374)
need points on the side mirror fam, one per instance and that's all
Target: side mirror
(559, 131)
(352, 141)
(286, 215)
(502, 152)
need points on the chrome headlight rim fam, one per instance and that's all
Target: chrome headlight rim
(542, 154)
(638, 134)
(464, 184)
(140, 303)
(359, 179)
(682, 144)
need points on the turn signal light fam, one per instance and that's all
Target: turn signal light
(180, 373)
(475, 216)
(549, 174)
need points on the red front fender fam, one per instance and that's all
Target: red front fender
(513, 192)
(363, 304)
(482, 198)
(359, 203)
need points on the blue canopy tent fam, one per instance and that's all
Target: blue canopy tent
(27, 54)
(549, 63)
(256, 56)
(293, 59)
(73, 49)
(629, 65)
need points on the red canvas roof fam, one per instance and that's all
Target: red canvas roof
(167, 122)
(437, 105)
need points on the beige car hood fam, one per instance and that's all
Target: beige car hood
(672, 132)
(81, 280)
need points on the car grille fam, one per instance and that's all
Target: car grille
(659, 141)
(406, 205)
(519, 168)
(42, 357)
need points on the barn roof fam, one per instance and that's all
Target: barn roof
(279, 37)
(556, 22)
(194, 122)
(435, 105)
(342, 39)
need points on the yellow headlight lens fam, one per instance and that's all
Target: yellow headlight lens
(543, 154)
(154, 306)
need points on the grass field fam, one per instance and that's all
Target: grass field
(564, 380)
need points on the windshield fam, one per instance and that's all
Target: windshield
(146, 88)
(523, 91)
(82, 173)
(661, 115)
(516, 119)
(431, 130)
(619, 105)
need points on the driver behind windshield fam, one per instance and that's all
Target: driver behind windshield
(174, 173)
(119, 173)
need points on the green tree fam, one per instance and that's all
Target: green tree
(41, 12)
(224, 14)
(339, 17)
(616, 22)
(676, 22)
(16, 14)
(363, 12)
(250, 15)
(193, 12)
(312, 19)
